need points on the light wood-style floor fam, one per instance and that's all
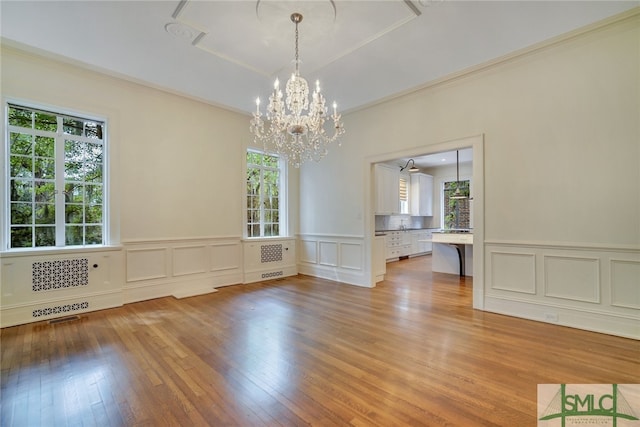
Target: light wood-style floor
(300, 351)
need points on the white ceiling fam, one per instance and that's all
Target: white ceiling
(228, 52)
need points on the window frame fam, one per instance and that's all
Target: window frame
(59, 161)
(283, 226)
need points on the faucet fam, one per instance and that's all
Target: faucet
(402, 226)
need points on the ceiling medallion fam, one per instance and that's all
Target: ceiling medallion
(290, 130)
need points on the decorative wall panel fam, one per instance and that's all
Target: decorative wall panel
(351, 256)
(514, 272)
(225, 256)
(572, 278)
(189, 260)
(309, 251)
(328, 253)
(146, 264)
(625, 283)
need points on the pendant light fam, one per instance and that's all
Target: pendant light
(457, 195)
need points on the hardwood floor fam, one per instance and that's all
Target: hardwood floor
(300, 351)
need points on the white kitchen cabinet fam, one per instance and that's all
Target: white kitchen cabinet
(387, 189)
(398, 244)
(421, 194)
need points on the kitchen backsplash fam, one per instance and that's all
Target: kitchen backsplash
(394, 222)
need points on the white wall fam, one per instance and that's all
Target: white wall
(561, 173)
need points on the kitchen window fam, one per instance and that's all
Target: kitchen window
(55, 192)
(265, 198)
(456, 212)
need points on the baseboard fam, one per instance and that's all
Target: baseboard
(628, 327)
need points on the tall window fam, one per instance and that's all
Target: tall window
(264, 198)
(457, 213)
(55, 185)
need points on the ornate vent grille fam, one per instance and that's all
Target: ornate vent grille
(61, 274)
(272, 274)
(270, 253)
(60, 309)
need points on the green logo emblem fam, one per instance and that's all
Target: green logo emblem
(586, 402)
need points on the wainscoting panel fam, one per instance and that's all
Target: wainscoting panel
(336, 257)
(328, 253)
(147, 263)
(180, 267)
(226, 256)
(309, 251)
(574, 278)
(514, 272)
(351, 255)
(189, 260)
(625, 283)
(588, 287)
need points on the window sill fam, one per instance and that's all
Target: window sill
(57, 251)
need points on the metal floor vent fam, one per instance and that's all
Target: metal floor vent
(63, 319)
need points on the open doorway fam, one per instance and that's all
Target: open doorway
(450, 166)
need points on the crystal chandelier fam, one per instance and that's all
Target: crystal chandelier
(290, 131)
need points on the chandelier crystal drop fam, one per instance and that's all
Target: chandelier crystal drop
(295, 126)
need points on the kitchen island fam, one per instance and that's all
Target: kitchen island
(452, 252)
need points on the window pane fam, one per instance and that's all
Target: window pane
(94, 153)
(73, 214)
(72, 127)
(74, 151)
(270, 161)
(44, 168)
(45, 236)
(45, 146)
(74, 193)
(254, 158)
(93, 214)
(73, 171)
(45, 191)
(21, 166)
(21, 190)
(45, 213)
(20, 117)
(21, 213)
(21, 237)
(93, 172)
(45, 121)
(93, 130)
(73, 235)
(21, 143)
(94, 235)
(93, 194)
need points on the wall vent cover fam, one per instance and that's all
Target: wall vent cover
(60, 274)
(47, 311)
(270, 253)
(272, 274)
